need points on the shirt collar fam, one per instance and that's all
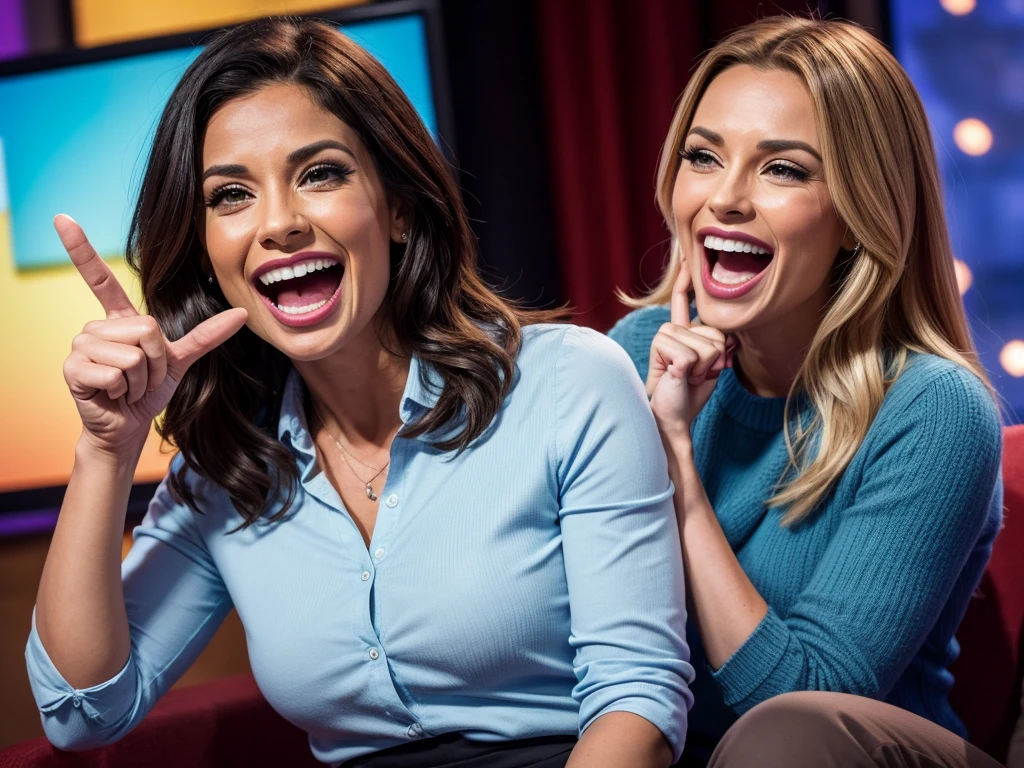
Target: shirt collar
(422, 391)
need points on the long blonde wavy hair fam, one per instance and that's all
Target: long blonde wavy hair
(899, 291)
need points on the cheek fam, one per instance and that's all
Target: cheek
(227, 240)
(688, 196)
(807, 228)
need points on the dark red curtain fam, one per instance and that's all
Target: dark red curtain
(612, 71)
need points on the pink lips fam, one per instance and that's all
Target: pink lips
(309, 318)
(719, 290)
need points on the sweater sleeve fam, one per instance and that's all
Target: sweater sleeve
(175, 600)
(927, 489)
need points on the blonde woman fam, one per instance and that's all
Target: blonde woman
(833, 440)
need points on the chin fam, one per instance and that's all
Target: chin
(726, 316)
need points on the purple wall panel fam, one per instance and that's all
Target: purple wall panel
(13, 34)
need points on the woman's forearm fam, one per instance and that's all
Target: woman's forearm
(621, 740)
(725, 606)
(80, 610)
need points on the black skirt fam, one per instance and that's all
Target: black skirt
(455, 751)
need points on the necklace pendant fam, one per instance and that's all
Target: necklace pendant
(370, 494)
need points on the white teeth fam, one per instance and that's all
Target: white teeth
(302, 310)
(296, 270)
(724, 276)
(735, 246)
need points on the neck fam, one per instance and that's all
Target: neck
(770, 356)
(359, 389)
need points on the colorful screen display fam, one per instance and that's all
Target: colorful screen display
(966, 60)
(75, 140)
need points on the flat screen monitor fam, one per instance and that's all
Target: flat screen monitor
(75, 133)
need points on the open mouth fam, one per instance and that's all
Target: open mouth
(301, 288)
(732, 263)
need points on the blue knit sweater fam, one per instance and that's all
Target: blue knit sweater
(864, 597)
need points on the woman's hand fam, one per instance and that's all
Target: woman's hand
(685, 363)
(122, 370)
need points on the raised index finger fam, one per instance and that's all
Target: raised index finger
(680, 304)
(92, 268)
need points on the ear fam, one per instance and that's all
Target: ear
(400, 220)
(850, 241)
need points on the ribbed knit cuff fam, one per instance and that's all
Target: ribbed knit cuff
(753, 663)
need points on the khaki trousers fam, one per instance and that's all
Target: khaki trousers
(838, 730)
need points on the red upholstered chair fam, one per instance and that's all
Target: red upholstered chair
(227, 723)
(988, 673)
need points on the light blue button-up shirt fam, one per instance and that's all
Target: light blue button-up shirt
(521, 588)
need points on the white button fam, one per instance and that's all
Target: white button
(77, 700)
(374, 654)
(365, 576)
(414, 731)
(418, 728)
(379, 553)
(391, 501)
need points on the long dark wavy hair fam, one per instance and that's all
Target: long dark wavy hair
(223, 416)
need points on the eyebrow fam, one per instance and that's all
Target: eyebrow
(299, 155)
(769, 145)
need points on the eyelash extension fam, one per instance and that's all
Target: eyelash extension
(695, 154)
(793, 172)
(701, 157)
(217, 196)
(343, 171)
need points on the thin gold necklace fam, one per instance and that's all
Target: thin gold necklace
(344, 457)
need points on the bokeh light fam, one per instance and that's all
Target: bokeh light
(972, 136)
(964, 278)
(1012, 358)
(958, 7)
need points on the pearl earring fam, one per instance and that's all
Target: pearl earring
(209, 279)
(405, 237)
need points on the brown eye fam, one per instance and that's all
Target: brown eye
(788, 172)
(699, 159)
(230, 195)
(326, 173)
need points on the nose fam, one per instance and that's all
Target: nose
(283, 223)
(730, 200)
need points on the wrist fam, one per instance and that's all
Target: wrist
(679, 450)
(120, 461)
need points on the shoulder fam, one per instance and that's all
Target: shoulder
(945, 405)
(635, 332)
(578, 363)
(553, 339)
(928, 378)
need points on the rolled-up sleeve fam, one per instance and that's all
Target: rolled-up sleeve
(175, 600)
(620, 542)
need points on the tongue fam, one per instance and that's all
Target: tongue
(311, 289)
(733, 267)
